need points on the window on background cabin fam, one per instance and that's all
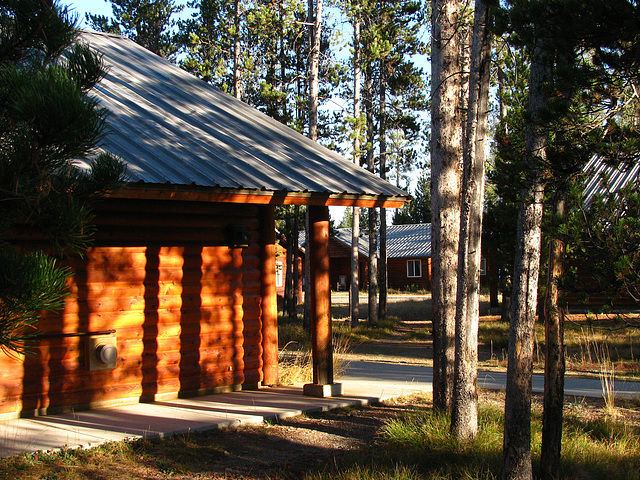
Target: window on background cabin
(483, 266)
(278, 274)
(414, 268)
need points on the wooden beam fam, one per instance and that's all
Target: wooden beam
(269, 306)
(258, 197)
(321, 337)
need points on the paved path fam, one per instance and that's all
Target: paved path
(395, 372)
(364, 383)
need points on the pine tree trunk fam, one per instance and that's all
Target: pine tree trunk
(288, 283)
(315, 35)
(383, 282)
(296, 258)
(314, 63)
(516, 461)
(237, 91)
(554, 365)
(464, 419)
(372, 277)
(373, 267)
(445, 180)
(354, 305)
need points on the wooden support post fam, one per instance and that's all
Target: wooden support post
(321, 339)
(269, 306)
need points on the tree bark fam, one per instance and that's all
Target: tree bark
(464, 419)
(372, 277)
(445, 184)
(384, 281)
(554, 365)
(289, 286)
(237, 91)
(296, 258)
(354, 305)
(315, 35)
(516, 461)
(314, 63)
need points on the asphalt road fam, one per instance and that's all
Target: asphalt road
(399, 373)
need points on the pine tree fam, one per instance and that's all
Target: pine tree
(577, 51)
(418, 210)
(48, 118)
(146, 22)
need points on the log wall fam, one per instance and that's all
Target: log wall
(185, 306)
(397, 273)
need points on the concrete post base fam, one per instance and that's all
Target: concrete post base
(322, 391)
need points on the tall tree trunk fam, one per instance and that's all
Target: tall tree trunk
(516, 461)
(372, 276)
(237, 90)
(382, 134)
(315, 35)
(288, 278)
(464, 419)
(296, 258)
(554, 364)
(373, 267)
(354, 304)
(445, 186)
(315, 18)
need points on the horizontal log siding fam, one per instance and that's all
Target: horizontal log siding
(185, 307)
(397, 273)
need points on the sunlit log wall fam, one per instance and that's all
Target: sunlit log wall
(185, 306)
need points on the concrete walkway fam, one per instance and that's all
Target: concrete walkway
(93, 427)
(363, 383)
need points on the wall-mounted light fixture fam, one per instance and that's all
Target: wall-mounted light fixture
(101, 352)
(238, 236)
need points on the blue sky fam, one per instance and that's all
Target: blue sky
(80, 7)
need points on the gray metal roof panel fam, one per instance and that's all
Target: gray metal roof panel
(409, 240)
(171, 127)
(617, 177)
(343, 235)
(403, 241)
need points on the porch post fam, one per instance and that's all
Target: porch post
(321, 339)
(269, 306)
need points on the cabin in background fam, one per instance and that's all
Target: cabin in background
(177, 295)
(408, 257)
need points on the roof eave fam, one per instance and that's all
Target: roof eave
(259, 197)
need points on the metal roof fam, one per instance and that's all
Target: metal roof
(409, 240)
(343, 235)
(172, 128)
(403, 241)
(617, 177)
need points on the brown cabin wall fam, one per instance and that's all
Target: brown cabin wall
(340, 264)
(397, 273)
(185, 306)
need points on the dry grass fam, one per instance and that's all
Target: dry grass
(296, 362)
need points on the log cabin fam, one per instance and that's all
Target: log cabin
(408, 257)
(177, 295)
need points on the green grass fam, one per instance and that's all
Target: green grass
(417, 445)
(365, 332)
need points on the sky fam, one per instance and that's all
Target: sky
(80, 7)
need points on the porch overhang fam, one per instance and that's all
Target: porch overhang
(257, 197)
